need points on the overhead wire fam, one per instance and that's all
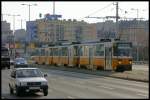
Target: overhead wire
(101, 9)
(98, 10)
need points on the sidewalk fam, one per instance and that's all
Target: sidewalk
(135, 75)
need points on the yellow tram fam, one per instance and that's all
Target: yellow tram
(110, 55)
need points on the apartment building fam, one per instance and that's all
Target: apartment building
(69, 30)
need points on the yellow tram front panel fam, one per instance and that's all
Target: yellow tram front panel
(121, 62)
(99, 62)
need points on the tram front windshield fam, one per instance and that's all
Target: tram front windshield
(122, 50)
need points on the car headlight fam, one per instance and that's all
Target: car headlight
(119, 62)
(43, 83)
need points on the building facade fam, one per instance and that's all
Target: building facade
(20, 35)
(6, 33)
(106, 29)
(53, 31)
(31, 29)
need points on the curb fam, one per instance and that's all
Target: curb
(85, 71)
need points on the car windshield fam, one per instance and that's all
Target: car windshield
(24, 73)
(21, 60)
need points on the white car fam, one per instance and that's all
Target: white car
(26, 80)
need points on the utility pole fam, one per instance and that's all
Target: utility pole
(21, 20)
(13, 32)
(117, 17)
(137, 51)
(54, 18)
(29, 21)
(54, 8)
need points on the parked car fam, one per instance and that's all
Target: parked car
(20, 62)
(26, 80)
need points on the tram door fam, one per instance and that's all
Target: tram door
(90, 55)
(70, 56)
(108, 58)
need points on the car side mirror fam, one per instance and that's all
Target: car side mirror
(45, 75)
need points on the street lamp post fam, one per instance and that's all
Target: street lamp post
(29, 7)
(21, 22)
(13, 31)
(29, 21)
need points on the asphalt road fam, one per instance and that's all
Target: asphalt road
(69, 85)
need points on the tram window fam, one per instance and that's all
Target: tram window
(99, 51)
(38, 52)
(51, 52)
(42, 52)
(56, 52)
(75, 51)
(60, 52)
(33, 53)
(85, 50)
(81, 49)
(46, 53)
(64, 51)
(122, 51)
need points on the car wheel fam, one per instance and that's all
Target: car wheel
(45, 91)
(18, 92)
(8, 67)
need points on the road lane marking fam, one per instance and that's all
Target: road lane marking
(106, 87)
(142, 94)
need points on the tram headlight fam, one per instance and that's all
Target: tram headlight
(119, 62)
(130, 62)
